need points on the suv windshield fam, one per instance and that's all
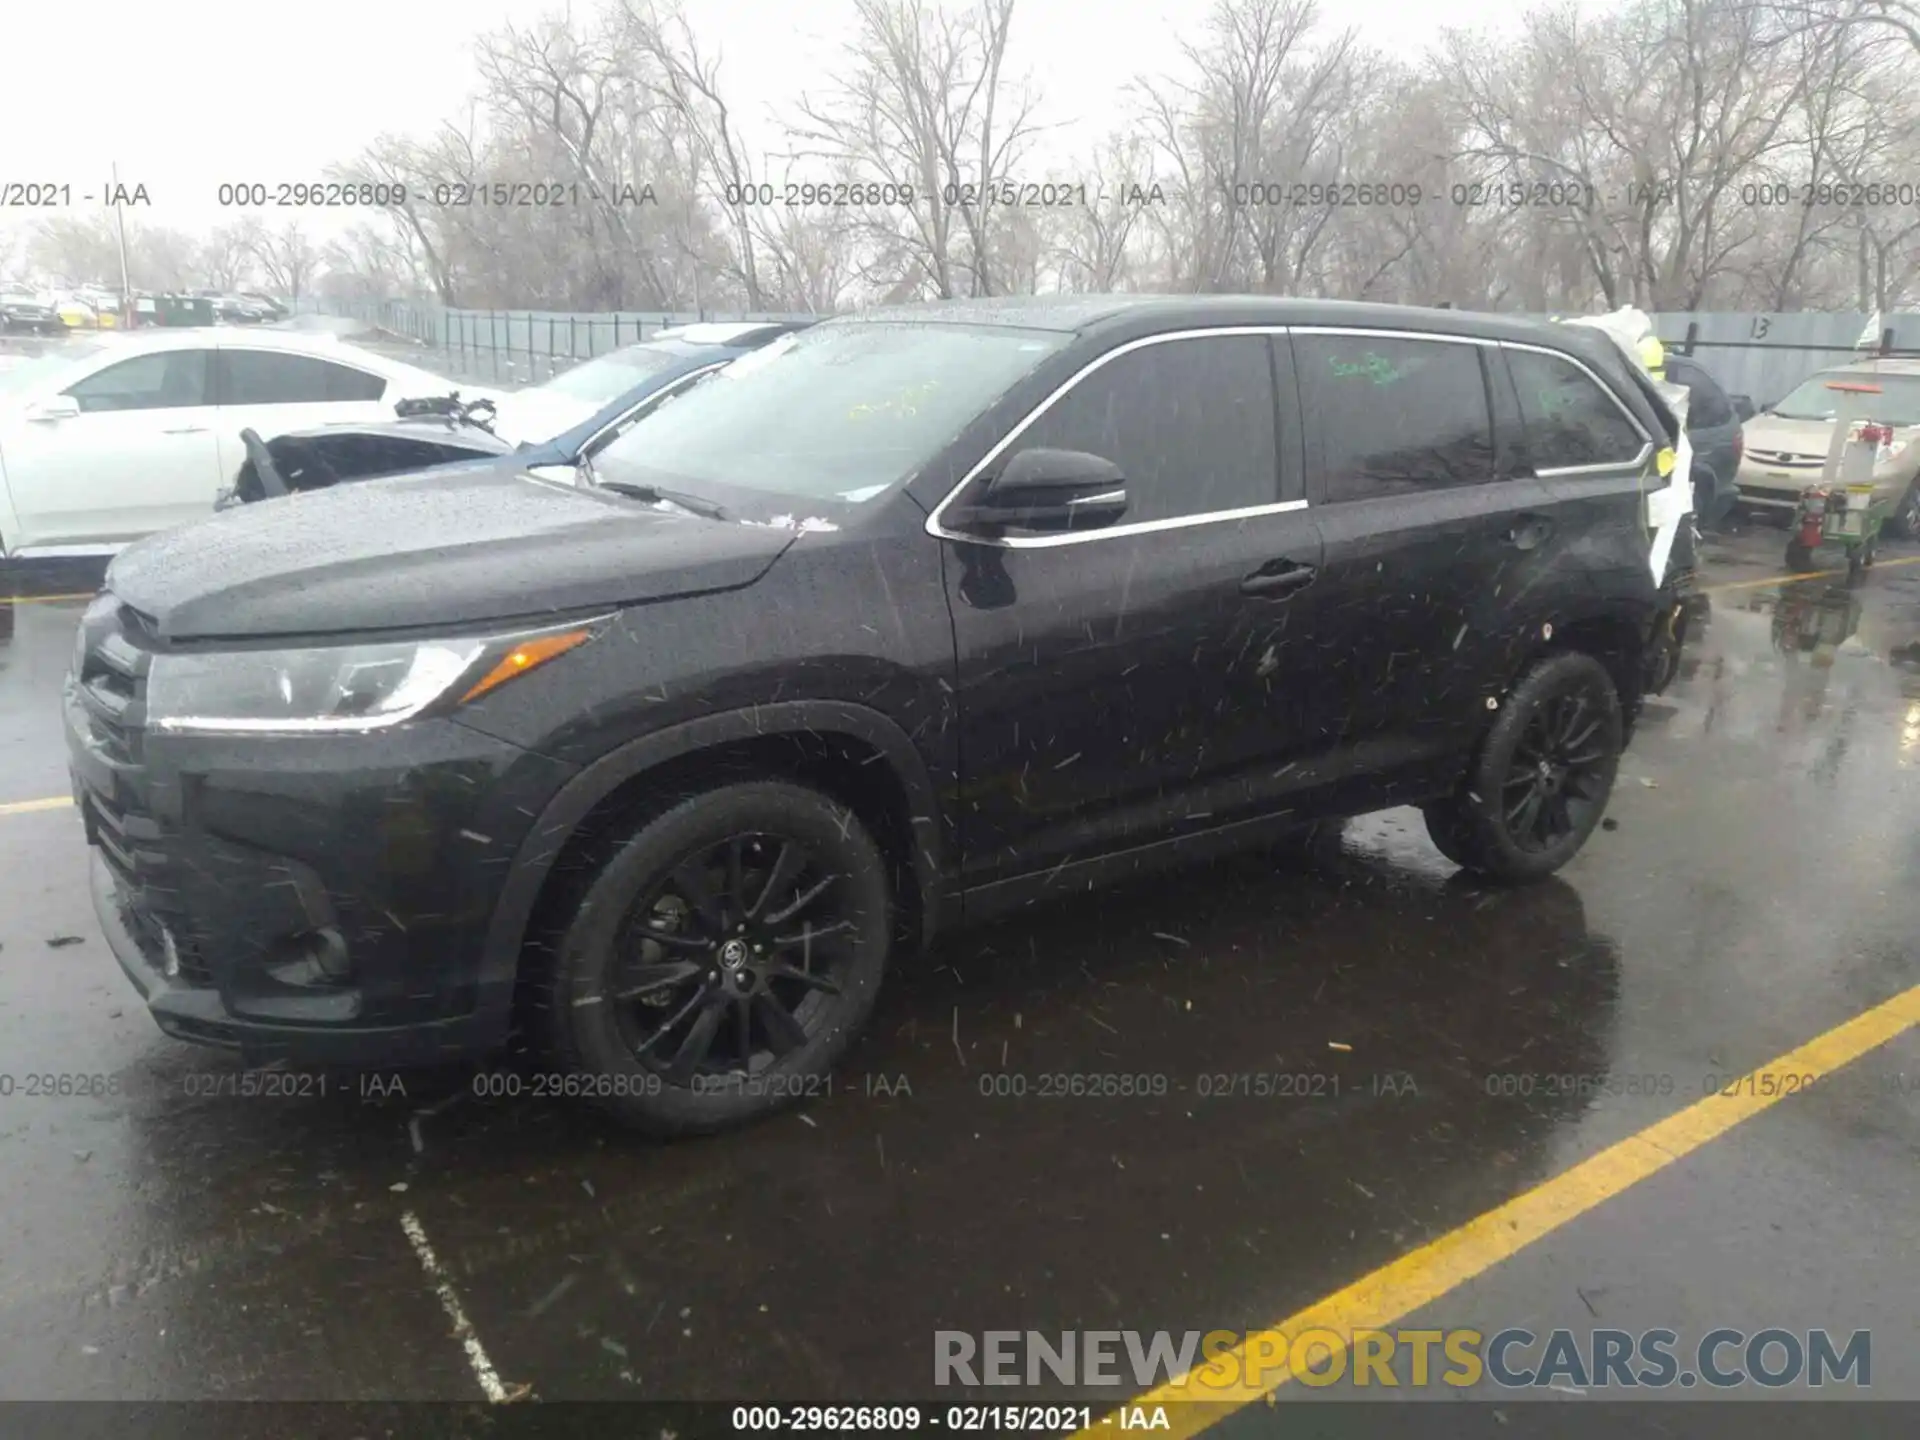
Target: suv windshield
(1898, 404)
(836, 412)
(611, 376)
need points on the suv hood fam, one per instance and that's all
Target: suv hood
(455, 546)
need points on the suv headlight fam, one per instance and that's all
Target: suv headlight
(341, 688)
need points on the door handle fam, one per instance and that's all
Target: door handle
(1528, 531)
(1277, 578)
(186, 430)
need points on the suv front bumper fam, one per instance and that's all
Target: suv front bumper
(320, 900)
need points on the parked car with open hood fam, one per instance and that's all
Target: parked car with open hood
(634, 380)
(904, 620)
(104, 440)
(1787, 443)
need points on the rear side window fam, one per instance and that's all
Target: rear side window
(1707, 404)
(267, 377)
(164, 380)
(1571, 421)
(1395, 416)
(1190, 423)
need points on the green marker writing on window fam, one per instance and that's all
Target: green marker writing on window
(1376, 368)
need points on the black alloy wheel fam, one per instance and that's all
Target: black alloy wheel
(729, 964)
(719, 959)
(1560, 771)
(1539, 782)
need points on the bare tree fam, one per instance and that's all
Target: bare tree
(926, 103)
(286, 257)
(226, 258)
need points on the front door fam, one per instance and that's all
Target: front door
(1124, 685)
(140, 456)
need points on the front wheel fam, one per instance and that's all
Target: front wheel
(722, 959)
(1799, 557)
(1541, 778)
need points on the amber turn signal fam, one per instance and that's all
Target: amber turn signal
(527, 655)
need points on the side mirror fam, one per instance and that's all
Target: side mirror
(1050, 490)
(55, 408)
(1743, 407)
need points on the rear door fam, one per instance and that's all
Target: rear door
(1433, 543)
(139, 457)
(1131, 684)
(274, 391)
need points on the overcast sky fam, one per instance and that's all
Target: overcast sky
(186, 94)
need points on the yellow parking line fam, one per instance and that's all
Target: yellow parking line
(1398, 1289)
(28, 807)
(43, 599)
(1797, 577)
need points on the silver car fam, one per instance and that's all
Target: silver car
(1786, 444)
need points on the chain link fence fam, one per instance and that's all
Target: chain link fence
(511, 348)
(1759, 355)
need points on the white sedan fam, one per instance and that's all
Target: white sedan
(109, 438)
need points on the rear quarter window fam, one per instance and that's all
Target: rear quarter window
(1571, 419)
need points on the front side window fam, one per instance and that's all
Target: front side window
(839, 412)
(1571, 421)
(164, 380)
(269, 377)
(1394, 415)
(1190, 423)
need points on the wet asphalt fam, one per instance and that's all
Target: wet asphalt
(1757, 887)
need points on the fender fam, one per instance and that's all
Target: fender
(506, 932)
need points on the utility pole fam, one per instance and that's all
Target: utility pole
(120, 225)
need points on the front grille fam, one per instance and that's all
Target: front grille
(1786, 459)
(115, 652)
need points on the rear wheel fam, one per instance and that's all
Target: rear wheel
(722, 959)
(1540, 781)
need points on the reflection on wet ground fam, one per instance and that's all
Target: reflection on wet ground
(1308, 1064)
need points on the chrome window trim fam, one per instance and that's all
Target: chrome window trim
(1554, 472)
(1375, 333)
(938, 531)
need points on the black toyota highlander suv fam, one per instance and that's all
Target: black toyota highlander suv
(901, 621)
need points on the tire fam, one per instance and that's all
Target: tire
(1904, 523)
(1859, 562)
(667, 1061)
(1566, 712)
(1799, 557)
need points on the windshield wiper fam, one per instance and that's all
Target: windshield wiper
(654, 494)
